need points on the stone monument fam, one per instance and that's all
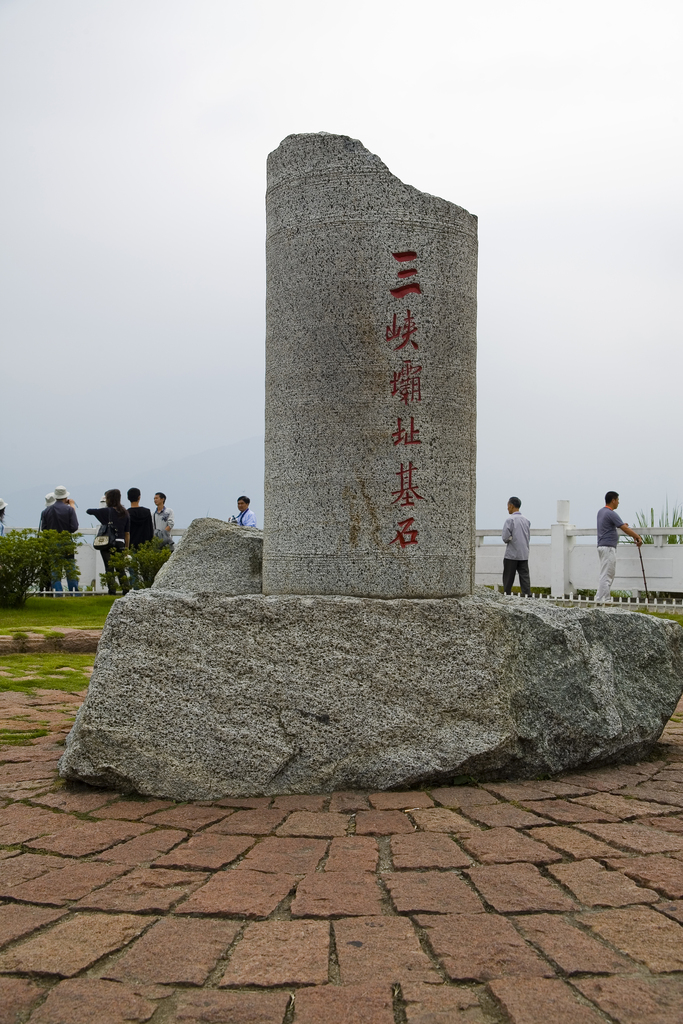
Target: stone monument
(360, 658)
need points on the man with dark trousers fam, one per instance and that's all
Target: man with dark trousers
(516, 534)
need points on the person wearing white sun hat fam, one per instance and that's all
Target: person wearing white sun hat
(61, 516)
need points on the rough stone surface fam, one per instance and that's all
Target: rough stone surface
(280, 953)
(214, 557)
(86, 1000)
(343, 235)
(389, 693)
(477, 947)
(539, 1000)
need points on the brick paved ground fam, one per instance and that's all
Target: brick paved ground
(542, 902)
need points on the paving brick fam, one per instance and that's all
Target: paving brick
(284, 856)
(244, 893)
(280, 953)
(661, 793)
(144, 891)
(353, 853)
(507, 816)
(440, 1004)
(176, 951)
(381, 949)
(672, 823)
(145, 848)
(572, 841)
(312, 823)
(636, 1000)
(533, 790)
(620, 807)
(213, 1007)
(594, 886)
(400, 801)
(300, 802)
(68, 882)
(518, 887)
(567, 811)
(506, 845)
(17, 921)
(79, 801)
(641, 933)
(350, 1004)
(24, 867)
(350, 893)
(605, 780)
(73, 944)
(383, 823)
(673, 909)
(347, 801)
(25, 772)
(439, 819)
(438, 892)
(573, 951)
(17, 996)
(243, 802)
(477, 947)
(188, 816)
(19, 823)
(89, 837)
(427, 850)
(462, 796)
(132, 810)
(205, 852)
(86, 1000)
(670, 775)
(665, 874)
(638, 838)
(540, 1000)
(250, 823)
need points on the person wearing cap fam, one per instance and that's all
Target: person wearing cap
(3, 506)
(516, 534)
(61, 516)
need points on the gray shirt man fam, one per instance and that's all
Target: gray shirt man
(516, 534)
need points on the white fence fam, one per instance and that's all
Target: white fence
(558, 562)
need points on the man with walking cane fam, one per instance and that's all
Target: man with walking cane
(608, 524)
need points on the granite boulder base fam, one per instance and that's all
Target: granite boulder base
(214, 557)
(197, 696)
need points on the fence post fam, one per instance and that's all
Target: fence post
(559, 551)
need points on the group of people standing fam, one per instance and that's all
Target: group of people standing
(132, 526)
(517, 532)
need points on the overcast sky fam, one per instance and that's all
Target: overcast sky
(134, 137)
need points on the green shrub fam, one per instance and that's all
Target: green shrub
(26, 557)
(141, 565)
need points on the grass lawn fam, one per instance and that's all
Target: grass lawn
(26, 672)
(86, 612)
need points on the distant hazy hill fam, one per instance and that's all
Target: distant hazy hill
(206, 484)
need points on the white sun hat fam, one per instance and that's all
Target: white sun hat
(3, 504)
(50, 499)
(61, 492)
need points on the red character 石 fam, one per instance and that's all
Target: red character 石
(405, 534)
(407, 435)
(406, 383)
(407, 491)
(404, 332)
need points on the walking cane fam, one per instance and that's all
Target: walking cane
(647, 596)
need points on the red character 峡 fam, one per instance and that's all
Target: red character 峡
(405, 332)
(406, 383)
(407, 491)
(405, 534)
(407, 435)
(406, 257)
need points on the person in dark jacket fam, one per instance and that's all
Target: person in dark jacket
(141, 528)
(61, 516)
(115, 513)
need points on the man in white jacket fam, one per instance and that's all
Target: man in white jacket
(516, 534)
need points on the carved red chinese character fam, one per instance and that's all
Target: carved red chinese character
(406, 289)
(406, 383)
(405, 534)
(405, 331)
(407, 490)
(407, 435)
